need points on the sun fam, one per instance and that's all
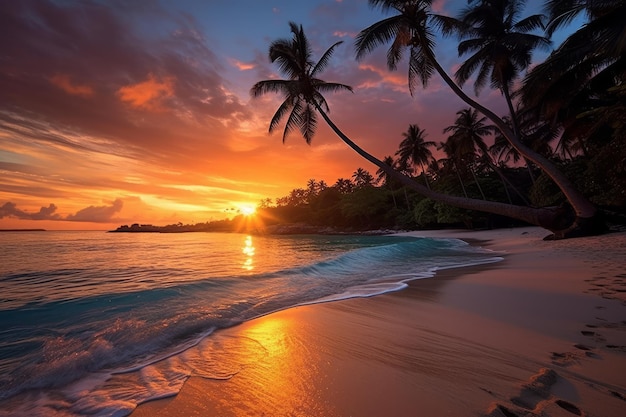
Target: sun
(247, 209)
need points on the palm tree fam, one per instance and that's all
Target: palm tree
(302, 92)
(500, 44)
(311, 189)
(467, 140)
(449, 148)
(411, 28)
(580, 85)
(382, 177)
(344, 185)
(407, 171)
(362, 178)
(414, 149)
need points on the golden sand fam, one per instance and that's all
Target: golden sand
(542, 333)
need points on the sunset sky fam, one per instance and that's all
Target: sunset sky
(118, 112)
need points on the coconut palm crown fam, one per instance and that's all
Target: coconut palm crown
(302, 90)
(500, 43)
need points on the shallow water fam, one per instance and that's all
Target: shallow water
(87, 319)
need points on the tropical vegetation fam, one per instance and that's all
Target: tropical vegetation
(576, 96)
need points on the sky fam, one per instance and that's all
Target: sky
(117, 112)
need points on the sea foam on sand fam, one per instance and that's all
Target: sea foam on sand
(542, 333)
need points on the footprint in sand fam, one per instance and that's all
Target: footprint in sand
(535, 397)
(568, 407)
(565, 359)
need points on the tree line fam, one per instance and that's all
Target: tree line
(565, 119)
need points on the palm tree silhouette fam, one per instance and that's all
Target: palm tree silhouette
(500, 44)
(580, 86)
(362, 178)
(467, 141)
(449, 147)
(411, 28)
(302, 92)
(383, 177)
(414, 149)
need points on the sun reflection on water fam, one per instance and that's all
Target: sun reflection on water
(248, 250)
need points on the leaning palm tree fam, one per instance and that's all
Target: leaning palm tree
(578, 86)
(411, 28)
(414, 149)
(500, 45)
(302, 93)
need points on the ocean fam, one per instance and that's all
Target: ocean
(94, 323)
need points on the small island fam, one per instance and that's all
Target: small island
(172, 228)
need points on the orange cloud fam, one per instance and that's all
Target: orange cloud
(147, 94)
(63, 82)
(242, 65)
(395, 79)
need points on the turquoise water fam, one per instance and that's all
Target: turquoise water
(87, 319)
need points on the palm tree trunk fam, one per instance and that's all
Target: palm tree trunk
(393, 196)
(529, 168)
(425, 176)
(406, 198)
(585, 211)
(458, 175)
(506, 183)
(543, 217)
(516, 129)
(477, 183)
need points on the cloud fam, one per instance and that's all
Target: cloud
(64, 83)
(93, 214)
(45, 213)
(97, 214)
(160, 92)
(147, 94)
(242, 66)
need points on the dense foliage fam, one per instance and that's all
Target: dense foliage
(575, 96)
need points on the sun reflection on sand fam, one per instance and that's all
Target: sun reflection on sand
(248, 250)
(284, 378)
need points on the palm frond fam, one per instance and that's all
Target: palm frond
(269, 86)
(467, 68)
(420, 66)
(530, 23)
(449, 25)
(282, 53)
(561, 13)
(308, 123)
(294, 121)
(332, 87)
(280, 113)
(322, 64)
(375, 35)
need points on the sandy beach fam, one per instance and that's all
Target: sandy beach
(541, 333)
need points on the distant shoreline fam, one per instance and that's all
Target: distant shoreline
(22, 230)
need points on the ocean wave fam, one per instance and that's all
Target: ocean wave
(52, 345)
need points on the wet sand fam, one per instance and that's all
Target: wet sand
(542, 333)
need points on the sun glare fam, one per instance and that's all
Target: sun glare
(247, 209)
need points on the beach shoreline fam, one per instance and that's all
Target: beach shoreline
(541, 333)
